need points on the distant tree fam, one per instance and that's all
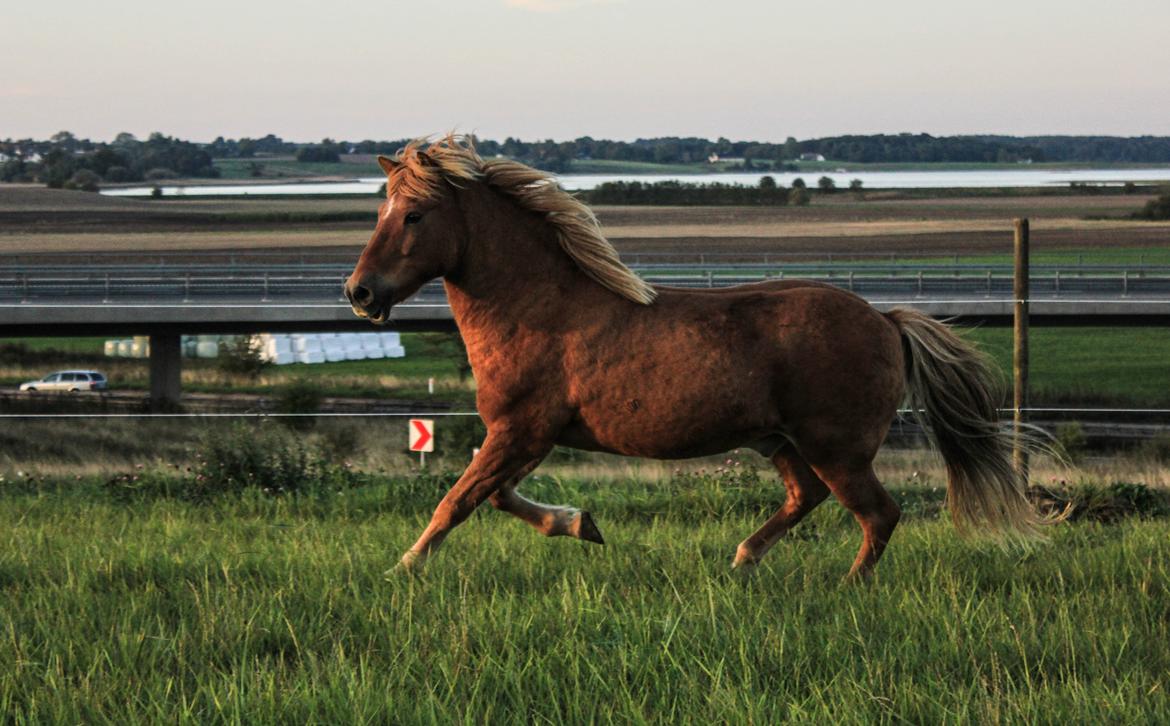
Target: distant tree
(798, 183)
(798, 196)
(767, 182)
(855, 185)
(326, 151)
(1157, 208)
(826, 185)
(242, 355)
(118, 174)
(83, 180)
(160, 172)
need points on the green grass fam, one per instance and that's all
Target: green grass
(234, 169)
(263, 610)
(1093, 366)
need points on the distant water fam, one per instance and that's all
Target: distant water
(574, 182)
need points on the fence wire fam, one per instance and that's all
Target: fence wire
(450, 414)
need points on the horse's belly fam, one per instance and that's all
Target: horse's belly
(636, 429)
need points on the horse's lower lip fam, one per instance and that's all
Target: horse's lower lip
(380, 316)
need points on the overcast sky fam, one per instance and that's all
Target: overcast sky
(745, 69)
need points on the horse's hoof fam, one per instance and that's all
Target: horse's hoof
(410, 564)
(587, 530)
(744, 566)
(745, 559)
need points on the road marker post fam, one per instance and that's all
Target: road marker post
(421, 432)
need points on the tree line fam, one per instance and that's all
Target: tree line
(676, 193)
(65, 160)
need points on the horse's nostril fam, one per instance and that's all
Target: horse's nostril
(362, 295)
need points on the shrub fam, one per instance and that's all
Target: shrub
(456, 436)
(1071, 440)
(118, 174)
(267, 458)
(242, 355)
(798, 196)
(1156, 448)
(160, 173)
(300, 396)
(83, 180)
(1157, 208)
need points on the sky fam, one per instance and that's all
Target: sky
(621, 69)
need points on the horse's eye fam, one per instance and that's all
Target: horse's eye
(412, 218)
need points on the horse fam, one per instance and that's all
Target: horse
(569, 347)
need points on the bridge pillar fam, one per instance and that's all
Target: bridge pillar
(166, 365)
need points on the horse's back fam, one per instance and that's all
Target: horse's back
(699, 370)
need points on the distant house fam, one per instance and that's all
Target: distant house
(809, 156)
(4, 157)
(713, 158)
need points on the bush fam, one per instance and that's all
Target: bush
(1104, 503)
(1071, 440)
(83, 180)
(242, 355)
(826, 185)
(1156, 449)
(267, 458)
(456, 436)
(300, 396)
(798, 196)
(160, 173)
(1157, 208)
(264, 458)
(118, 174)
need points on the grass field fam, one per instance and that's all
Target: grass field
(289, 167)
(259, 609)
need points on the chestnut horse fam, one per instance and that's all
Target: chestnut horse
(569, 347)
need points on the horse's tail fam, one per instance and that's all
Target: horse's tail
(954, 391)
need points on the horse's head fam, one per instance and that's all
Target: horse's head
(418, 238)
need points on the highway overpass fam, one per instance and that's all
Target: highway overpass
(167, 296)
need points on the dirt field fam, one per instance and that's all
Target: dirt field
(33, 219)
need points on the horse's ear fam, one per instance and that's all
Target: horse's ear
(387, 164)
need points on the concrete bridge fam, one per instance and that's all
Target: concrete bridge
(186, 294)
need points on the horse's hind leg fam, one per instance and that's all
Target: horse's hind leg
(548, 520)
(859, 491)
(805, 491)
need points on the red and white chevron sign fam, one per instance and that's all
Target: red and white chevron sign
(422, 434)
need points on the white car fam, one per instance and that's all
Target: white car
(68, 381)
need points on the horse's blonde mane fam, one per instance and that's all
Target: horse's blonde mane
(418, 172)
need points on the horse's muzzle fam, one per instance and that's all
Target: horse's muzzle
(369, 298)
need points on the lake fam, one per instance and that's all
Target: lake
(982, 178)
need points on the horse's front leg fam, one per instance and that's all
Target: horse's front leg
(497, 463)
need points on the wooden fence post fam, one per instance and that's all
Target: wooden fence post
(1020, 348)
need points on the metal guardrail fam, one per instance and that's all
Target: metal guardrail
(347, 256)
(218, 284)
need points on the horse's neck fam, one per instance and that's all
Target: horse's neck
(513, 274)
